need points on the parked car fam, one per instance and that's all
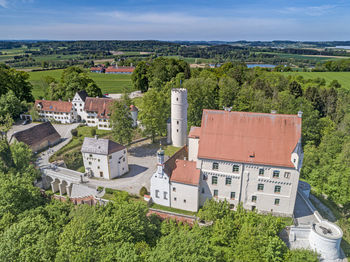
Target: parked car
(26, 122)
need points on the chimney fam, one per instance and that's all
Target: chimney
(273, 111)
(300, 114)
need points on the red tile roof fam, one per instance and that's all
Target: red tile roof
(194, 132)
(54, 106)
(186, 172)
(267, 139)
(99, 105)
(120, 69)
(96, 68)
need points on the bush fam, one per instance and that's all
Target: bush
(143, 191)
(73, 160)
(93, 131)
(109, 191)
(100, 188)
(74, 132)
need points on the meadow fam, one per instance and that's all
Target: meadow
(342, 77)
(109, 83)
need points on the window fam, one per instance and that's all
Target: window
(90, 163)
(184, 200)
(286, 174)
(165, 195)
(261, 172)
(205, 177)
(215, 166)
(110, 157)
(228, 181)
(98, 160)
(202, 190)
(98, 167)
(216, 193)
(174, 189)
(174, 198)
(177, 130)
(233, 195)
(254, 199)
(101, 174)
(235, 169)
(157, 193)
(177, 99)
(214, 180)
(277, 189)
(260, 187)
(123, 159)
(276, 174)
(177, 121)
(277, 201)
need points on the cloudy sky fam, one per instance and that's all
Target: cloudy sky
(175, 20)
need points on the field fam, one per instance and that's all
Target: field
(109, 83)
(315, 58)
(342, 77)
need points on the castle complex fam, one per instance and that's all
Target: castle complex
(249, 158)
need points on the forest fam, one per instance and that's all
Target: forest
(61, 54)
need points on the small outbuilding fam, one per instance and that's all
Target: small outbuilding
(38, 137)
(104, 158)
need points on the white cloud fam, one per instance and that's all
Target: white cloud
(309, 10)
(3, 3)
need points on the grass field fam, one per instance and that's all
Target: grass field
(109, 83)
(342, 77)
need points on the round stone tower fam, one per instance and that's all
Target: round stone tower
(179, 116)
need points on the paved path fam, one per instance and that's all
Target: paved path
(65, 133)
(302, 212)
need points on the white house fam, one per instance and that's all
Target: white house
(60, 111)
(98, 112)
(249, 158)
(104, 158)
(79, 103)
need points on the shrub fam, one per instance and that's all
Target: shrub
(109, 191)
(143, 191)
(93, 131)
(74, 132)
(100, 189)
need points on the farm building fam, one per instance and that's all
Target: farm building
(38, 137)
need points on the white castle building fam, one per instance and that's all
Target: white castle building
(249, 158)
(104, 158)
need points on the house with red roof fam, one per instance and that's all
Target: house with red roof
(60, 111)
(241, 157)
(119, 70)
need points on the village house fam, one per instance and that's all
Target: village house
(97, 112)
(97, 69)
(119, 70)
(38, 137)
(104, 158)
(249, 158)
(59, 111)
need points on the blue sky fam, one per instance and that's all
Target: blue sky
(175, 20)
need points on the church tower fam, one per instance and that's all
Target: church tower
(179, 116)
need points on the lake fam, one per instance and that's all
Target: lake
(261, 65)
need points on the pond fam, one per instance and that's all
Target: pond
(260, 65)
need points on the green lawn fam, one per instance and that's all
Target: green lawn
(342, 77)
(175, 210)
(109, 83)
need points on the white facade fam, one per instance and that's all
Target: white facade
(98, 162)
(160, 184)
(62, 117)
(179, 116)
(78, 105)
(265, 188)
(184, 196)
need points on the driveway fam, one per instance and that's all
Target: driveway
(142, 165)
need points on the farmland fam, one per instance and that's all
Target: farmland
(342, 77)
(109, 83)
